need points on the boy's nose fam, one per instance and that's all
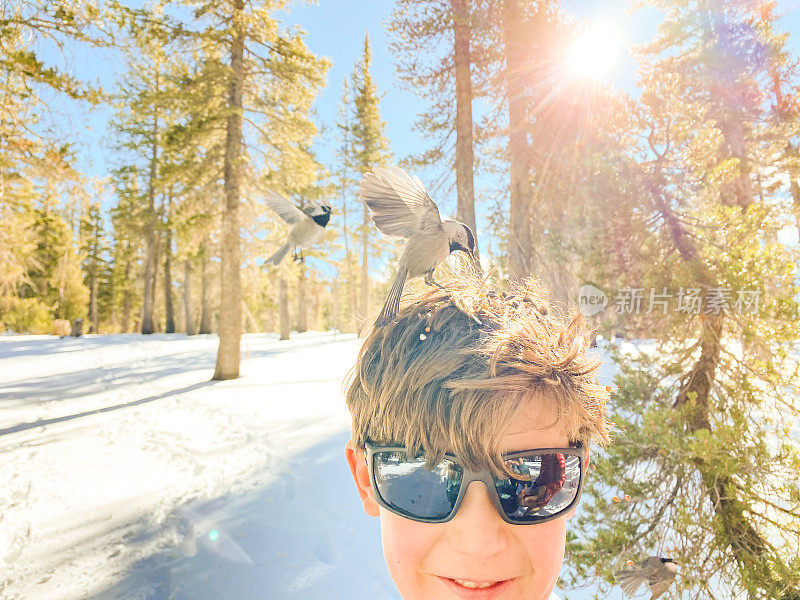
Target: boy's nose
(477, 529)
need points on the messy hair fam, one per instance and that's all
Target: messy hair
(451, 370)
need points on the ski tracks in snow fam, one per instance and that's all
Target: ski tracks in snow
(108, 442)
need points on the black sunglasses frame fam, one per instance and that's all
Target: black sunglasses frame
(485, 475)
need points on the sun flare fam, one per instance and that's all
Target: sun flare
(594, 52)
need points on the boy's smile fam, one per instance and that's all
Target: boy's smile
(477, 555)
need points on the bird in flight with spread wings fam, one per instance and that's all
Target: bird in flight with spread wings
(308, 224)
(656, 571)
(401, 208)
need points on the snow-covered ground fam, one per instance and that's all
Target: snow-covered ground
(126, 474)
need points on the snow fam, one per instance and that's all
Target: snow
(127, 474)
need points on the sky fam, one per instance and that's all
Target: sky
(335, 29)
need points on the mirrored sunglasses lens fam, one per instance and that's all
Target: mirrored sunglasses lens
(413, 490)
(547, 485)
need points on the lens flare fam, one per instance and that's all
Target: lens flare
(594, 51)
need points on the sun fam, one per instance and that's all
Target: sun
(594, 52)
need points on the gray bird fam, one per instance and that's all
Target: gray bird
(657, 572)
(401, 208)
(308, 224)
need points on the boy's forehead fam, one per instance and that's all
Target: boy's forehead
(534, 425)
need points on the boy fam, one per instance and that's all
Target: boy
(472, 413)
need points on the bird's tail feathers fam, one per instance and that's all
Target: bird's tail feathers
(392, 305)
(629, 580)
(276, 258)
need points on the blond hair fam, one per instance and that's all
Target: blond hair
(451, 370)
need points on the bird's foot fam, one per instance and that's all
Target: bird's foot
(431, 281)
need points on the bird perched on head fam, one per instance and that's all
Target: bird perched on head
(657, 572)
(308, 224)
(401, 208)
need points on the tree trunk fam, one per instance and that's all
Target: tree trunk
(519, 209)
(156, 323)
(336, 303)
(187, 296)
(148, 297)
(747, 545)
(792, 152)
(465, 188)
(727, 110)
(169, 308)
(230, 309)
(302, 301)
(364, 308)
(251, 320)
(127, 303)
(93, 304)
(794, 182)
(740, 191)
(352, 293)
(205, 307)
(283, 306)
(314, 299)
(794, 186)
(348, 256)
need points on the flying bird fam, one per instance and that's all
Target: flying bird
(657, 572)
(308, 224)
(401, 208)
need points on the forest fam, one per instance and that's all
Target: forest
(678, 205)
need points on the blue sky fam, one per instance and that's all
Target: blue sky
(335, 29)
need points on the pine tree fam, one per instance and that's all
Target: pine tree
(56, 279)
(142, 119)
(167, 225)
(703, 444)
(370, 149)
(35, 158)
(268, 91)
(445, 80)
(194, 149)
(345, 192)
(127, 223)
(519, 166)
(94, 251)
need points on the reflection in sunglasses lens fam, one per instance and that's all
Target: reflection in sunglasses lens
(410, 488)
(548, 484)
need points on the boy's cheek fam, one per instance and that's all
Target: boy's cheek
(546, 552)
(405, 541)
(406, 544)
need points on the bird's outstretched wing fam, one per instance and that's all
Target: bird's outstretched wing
(285, 208)
(398, 202)
(629, 580)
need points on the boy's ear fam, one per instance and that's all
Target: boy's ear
(586, 462)
(358, 467)
(588, 458)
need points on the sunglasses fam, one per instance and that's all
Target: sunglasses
(549, 484)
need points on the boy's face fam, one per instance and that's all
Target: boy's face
(477, 545)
